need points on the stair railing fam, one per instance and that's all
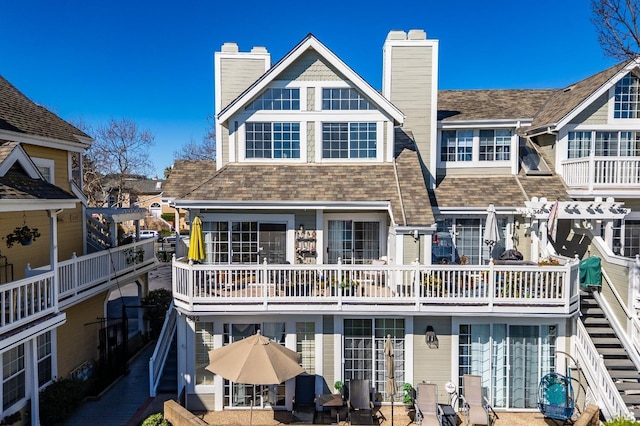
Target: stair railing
(592, 363)
(163, 345)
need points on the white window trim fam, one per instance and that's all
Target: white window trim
(242, 142)
(358, 217)
(475, 152)
(611, 104)
(289, 219)
(46, 163)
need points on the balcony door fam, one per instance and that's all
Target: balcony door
(245, 242)
(353, 241)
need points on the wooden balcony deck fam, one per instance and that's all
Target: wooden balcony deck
(543, 290)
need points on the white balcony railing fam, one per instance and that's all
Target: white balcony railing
(487, 288)
(83, 276)
(602, 172)
(26, 300)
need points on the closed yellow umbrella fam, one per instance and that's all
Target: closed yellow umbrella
(196, 242)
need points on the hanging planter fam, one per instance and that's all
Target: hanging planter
(22, 235)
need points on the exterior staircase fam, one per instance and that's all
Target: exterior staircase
(169, 378)
(620, 367)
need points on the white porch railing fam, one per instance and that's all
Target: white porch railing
(26, 300)
(592, 363)
(595, 172)
(487, 288)
(163, 345)
(78, 276)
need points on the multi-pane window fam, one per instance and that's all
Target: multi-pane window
(626, 97)
(306, 345)
(13, 376)
(457, 145)
(364, 358)
(344, 99)
(579, 144)
(605, 144)
(44, 358)
(495, 145)
(277, 100)
(272, 140)
(349, 140)
(203, 344)
(353, 242)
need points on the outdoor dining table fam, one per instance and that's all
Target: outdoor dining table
(333, 401)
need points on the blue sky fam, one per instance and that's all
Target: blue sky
(152, 61)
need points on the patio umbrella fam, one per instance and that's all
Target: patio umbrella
(389, 357)
(255, 360)
(196, 242)
(491, 234)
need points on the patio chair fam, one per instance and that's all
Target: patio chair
(476, 406)
(428, 412)
(359, 403)
(304, 401)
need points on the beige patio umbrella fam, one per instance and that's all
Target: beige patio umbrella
(389, 358)
(491, 232)
(196, 242)
(255, 360)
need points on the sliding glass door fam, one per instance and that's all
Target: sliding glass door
(511, 359)
(353, 241)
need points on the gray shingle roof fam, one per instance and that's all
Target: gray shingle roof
(19, 114)
(562, 102)
(186, 176)
(312, 182)
(501, 191)
(456, 105)
(17, 185)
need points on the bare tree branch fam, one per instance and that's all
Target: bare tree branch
(205, 150)
(617, 26)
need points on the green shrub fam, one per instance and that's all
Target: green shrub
(60, 399)
(156, 304)
(621, 421)
(409, 394)
(155, 420)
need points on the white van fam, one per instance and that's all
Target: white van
(148, 233)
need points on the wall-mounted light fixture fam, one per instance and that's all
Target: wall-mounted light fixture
(430, 337)
(415, 234)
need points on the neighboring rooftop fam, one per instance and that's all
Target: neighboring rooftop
(19, 114)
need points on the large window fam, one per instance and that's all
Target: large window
(626, 97)
(605, 144)
(457, 145)
(364, 358)
(344, 99)
(495, 145)
(349, 140)
(272, 140)
(244, 242)
(511, 359)
(277, 100)
(353, 241)
(13, 376)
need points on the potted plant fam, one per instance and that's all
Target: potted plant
(409, 396)
(23, 235)
(338, 385)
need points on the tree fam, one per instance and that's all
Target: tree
(120, 150)
(617, 25)
(205, 150)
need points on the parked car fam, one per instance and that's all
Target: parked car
(148, 233)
